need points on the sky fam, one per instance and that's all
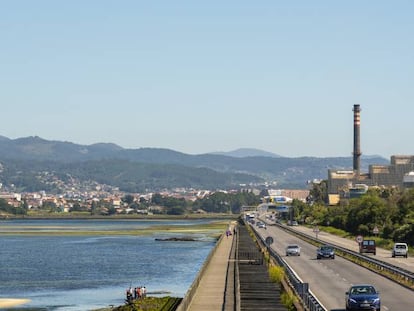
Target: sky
(207, 76)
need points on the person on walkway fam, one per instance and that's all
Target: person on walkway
(129, 294)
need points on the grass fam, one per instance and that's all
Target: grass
(335, 231)
(147, 304)
(276, 274)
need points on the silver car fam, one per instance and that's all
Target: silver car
(400, 249)
(293, 249)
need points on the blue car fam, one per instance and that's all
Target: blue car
(362, 297)
(325, 251)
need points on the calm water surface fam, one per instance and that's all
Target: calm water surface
(89, 272)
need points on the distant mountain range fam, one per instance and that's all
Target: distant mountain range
(23, 160)
(247, 152)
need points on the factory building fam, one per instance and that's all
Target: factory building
(352, 183)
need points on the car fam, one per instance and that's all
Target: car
(325, 251)
(400, 249)
(261, 225)
(292, 223)
(362, 297)
(367, 246)
(293, 249)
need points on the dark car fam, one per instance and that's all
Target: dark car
(325, 251)
(368, 246)
(362, 297)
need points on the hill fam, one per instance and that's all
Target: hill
(247, 152)
(26, 161)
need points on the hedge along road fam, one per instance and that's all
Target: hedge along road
(329, 279)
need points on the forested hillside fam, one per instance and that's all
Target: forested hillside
(26, 163)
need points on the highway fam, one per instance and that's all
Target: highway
(329, 279)
(382, 254)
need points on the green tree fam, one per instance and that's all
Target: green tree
(365, 213)
(76, 207)
(176, 210)
(49, 206)
(222, 202)
(128, 199)
(9, 209)
(156, 199)
(319, 193)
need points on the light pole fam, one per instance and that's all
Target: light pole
(316, 230)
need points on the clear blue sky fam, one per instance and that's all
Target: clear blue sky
(203, 76)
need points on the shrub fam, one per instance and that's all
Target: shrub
(288, 300)
(276, 274)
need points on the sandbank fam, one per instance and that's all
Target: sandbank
(12, 302)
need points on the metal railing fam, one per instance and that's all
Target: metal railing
(392, 272)
(308, 299)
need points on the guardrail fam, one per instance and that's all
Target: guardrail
(397, 274)
(309, 301)
(392, 272)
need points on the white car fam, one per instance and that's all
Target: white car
(400, 249)
(293, 249)
(261, 225)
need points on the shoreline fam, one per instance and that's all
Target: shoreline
(12, 302)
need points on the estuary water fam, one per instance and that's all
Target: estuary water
(70, 272)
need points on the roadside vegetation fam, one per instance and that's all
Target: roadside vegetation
(148, 304)
(391, 211)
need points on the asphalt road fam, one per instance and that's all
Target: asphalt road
(382, 254)
(329, 279)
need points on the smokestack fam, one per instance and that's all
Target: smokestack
(357, 146)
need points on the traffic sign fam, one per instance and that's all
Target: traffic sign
(269, 240)
(359, 239)
(375, 230)
(316, 230)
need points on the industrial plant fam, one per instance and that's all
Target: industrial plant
(352, 183)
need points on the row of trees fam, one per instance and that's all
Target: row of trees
(8, 209)
(218, 202)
